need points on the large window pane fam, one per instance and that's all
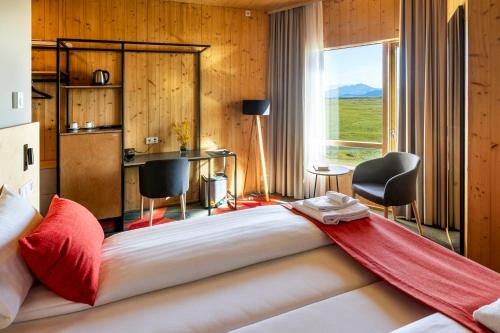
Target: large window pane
(354, 103)
(355, 119)
(350, 156)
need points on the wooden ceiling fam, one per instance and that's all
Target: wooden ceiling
(263, 5)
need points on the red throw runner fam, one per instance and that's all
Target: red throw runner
(430, 273)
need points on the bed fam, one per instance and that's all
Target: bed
(259, 270)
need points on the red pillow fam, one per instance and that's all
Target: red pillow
(64, 251)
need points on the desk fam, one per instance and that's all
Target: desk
(192, 156)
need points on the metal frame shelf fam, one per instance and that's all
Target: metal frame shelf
(66, 46)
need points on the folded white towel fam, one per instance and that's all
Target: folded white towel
(489, 316)
(351, 213)
(338, 197)
(324, 204)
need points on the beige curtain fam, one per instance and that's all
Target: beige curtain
(286, 126)
(456, 118)
(423, 101)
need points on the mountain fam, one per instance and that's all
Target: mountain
(359, 90)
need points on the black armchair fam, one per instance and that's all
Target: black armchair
(389, 181)
(164, 179)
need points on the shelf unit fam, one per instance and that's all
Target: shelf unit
(65, 48)
(109, 86)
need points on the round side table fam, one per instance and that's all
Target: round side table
(335, 171)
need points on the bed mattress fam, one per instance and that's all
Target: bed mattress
(260, 270)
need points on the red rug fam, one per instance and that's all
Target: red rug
(160, 215)
(158, 218)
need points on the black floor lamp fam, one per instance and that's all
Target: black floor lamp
(258, 108)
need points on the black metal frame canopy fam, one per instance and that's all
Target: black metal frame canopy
(64, 47)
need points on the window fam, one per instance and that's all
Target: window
(361, 100)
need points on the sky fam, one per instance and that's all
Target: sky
(362, 64)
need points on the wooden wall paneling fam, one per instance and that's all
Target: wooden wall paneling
(233, 69)
(479, 119)
(483, 216)
(494, 70)
(351, 22)
(387, 19)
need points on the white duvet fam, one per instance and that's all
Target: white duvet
(149, 259)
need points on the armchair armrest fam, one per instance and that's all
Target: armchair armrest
(369, 172)
(401, 189)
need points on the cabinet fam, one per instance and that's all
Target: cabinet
(90, 170)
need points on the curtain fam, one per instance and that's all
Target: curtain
(423, 101)
(456, 118)
(315, 120)
(295, 66)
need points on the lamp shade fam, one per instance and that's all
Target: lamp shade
(257, 107)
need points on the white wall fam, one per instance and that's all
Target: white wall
(15, 60)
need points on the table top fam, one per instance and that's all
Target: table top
(335, 170)
(191, 155)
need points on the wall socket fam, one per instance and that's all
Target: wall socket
(152, 140)
(17, 100)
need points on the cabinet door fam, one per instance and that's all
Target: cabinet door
(90, 172)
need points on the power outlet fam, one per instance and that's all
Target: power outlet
(152, 140)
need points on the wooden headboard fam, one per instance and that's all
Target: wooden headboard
(12, 141)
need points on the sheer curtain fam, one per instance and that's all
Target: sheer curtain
(296, 124)
(314, 99)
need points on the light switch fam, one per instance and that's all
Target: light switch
(17, 100)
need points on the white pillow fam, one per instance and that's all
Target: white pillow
(17, 219)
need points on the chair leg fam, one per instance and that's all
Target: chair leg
(417, 217)
(449, 238)
(142, 207)
(183, 206)
(386, 212)
(151, 211)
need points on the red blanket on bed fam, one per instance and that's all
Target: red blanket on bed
(432, 274)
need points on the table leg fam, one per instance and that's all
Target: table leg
(315, 183)
(337, 178)
(209, 184)
(329, 184)
(235, 184)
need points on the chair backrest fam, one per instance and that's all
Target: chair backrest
(396, 163)
(403, 189)
(164, 178)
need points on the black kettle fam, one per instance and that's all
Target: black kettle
(100, 77)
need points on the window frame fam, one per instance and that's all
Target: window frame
(389, 101)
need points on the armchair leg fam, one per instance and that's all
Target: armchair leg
(386, 212)
(417, 217)
(183, 206)
(142, 206)
(449, 238)
(151, 210)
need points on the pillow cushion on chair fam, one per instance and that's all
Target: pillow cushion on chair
(17, 219)
(64, 252)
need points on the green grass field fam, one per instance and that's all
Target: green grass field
(354, 119)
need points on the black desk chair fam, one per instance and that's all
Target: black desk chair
(389, 181)
(164, 179)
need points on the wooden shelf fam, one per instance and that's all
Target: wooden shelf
(108, 86)
(97, 130)
(47, 73)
